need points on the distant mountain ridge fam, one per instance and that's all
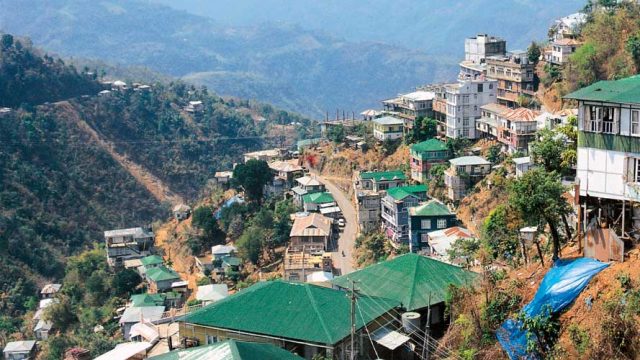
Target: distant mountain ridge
(305, 71)
(436, 27)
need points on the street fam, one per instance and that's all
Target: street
(348, 236)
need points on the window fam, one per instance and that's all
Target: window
(442, 223)
(210, 339)
(601, 119)
(425, 224)
(480, 88)
(633, 170)
(490, 86)
(635, 122)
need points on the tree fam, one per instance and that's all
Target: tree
(547, 150)
(633, 47)
(204, 220)
(253, 176)
(539, 196)
(500, 232)
(336, 133)
(423, 129)
(250, 244)
(125, 281)
(534, 52)
(494, 154)
(6, 41)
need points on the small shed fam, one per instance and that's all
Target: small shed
(20, 350)
(181, 212)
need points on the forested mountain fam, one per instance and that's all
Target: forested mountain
(76, 167)
(434, 26)
(286, 65)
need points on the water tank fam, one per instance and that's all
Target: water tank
(411, 322)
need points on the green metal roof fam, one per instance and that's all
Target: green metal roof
(409, 279)
(402, 192)
(296, 311)
(151, 260)
(429, 145)
(318, 198)
(161, 273)
(625, 91)
(430, 208)
(384, 175)
(142, 300)
(232, 260)
(230, 350)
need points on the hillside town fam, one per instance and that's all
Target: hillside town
(362, 239)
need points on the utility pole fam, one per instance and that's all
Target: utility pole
(352, 356)
(426, 351)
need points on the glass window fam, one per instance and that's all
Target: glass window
(425, 224)
(442, 223)
(635, 122)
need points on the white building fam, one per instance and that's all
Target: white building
(477, 48)
(388, 128)
(609, 139)
(561, 50)
(523, 164)
(463, 101)
(568, 26)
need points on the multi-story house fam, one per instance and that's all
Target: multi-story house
(379, 180)
(127, 244)
(426, 154)
(560, 50)
(517, 129)
(481, 46)
(608, 167)
(568, 27)
(306, 185)
(300, 264)
(310, 233)
(411, 106)
(489, 122)
(388, 128)
(515, 76)
(395, 205)
(284, 174)
(368, 209)
(464, 100)
(266, 155)
(463, 174)
(423, 219)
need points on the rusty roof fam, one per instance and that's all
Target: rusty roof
(311, 225)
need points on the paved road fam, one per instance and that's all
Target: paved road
(348, 236)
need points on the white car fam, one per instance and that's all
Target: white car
(341, 223)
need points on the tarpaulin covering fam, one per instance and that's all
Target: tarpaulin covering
(559, 288)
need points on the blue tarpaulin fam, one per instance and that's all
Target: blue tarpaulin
(559, 288)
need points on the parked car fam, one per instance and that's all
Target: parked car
(341, 223)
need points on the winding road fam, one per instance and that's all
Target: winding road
(347, 238)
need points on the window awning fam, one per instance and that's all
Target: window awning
(388, 338)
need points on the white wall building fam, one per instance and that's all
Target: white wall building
(609, 139)
(477, 48)
(464, 100)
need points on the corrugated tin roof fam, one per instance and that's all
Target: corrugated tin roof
(409, 279)
(161, 273)
(230, 350)
(318, 198)
(151, 260)
(142, 300)
(521, 114)
(308, 181)
(401, 192)
(430, 145)
(295, 311)
(495, 108)
(19, 346)
(147, 313)
(311, 225)
(137, 232)
(388, 120)
(469, 160)
(624, 91)
(383, 175)
(430, 208)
